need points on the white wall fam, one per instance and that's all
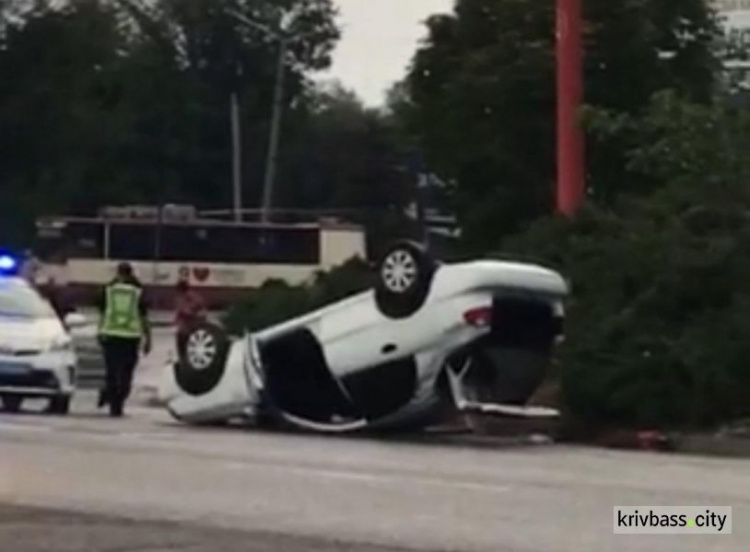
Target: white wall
(214, 275)
(338, 245)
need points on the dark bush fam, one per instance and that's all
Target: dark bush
(658, 332)
(276, 301)
(657, 328)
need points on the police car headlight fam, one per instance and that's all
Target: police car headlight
(61, 345)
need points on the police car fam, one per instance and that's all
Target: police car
(37, 358)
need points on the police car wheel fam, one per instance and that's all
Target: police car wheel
(405, 275)
(202, 359)
(12, 403)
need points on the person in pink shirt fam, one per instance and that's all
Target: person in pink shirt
(190, 309)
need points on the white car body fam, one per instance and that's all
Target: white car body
(37, 357)
(390, 369)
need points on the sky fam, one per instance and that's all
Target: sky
(379, 39)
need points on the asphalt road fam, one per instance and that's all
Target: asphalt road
(292, 492)
(41, 530)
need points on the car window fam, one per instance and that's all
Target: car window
(22, 301)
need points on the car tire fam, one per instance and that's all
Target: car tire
(59, 406)
(405, 276)
(202, 360)
(12, 403)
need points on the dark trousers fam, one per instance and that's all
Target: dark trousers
(182, 339)
(121, 358)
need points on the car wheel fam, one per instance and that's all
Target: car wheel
(12, 403)
(202, 359)
(60, 406)
(404, 279)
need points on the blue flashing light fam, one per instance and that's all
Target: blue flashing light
(8, 264)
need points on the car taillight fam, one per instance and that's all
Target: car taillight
(480, 317)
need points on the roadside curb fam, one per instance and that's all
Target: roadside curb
(718, 444)
(460, 434)
(725, 446)
(713, 445)
(468, 439)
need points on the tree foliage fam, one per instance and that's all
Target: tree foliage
(657, 332)
(276, 301)
(481, 96)
(344, 156)
(132, 105)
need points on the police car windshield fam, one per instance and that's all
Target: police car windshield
(19, 300)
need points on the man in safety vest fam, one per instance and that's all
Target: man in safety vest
(124, 328)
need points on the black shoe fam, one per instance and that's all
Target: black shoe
(102, 400)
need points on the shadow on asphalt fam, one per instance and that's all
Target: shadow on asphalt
(436, 436)
(26, 529)
(430, 437)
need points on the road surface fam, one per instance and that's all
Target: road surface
(91, 359)
(292, 492)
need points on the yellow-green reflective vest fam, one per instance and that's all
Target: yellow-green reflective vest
(122, 315)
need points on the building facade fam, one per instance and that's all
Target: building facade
(735, 16)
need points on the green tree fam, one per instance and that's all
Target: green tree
(657, 334)
(481, 96)
(53, 101)
(344, 156)
(127, 101)
(215, 54)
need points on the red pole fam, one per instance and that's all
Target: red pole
(571, 179)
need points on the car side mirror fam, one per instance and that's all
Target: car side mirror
(75, 320)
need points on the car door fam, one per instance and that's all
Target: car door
(90, 369)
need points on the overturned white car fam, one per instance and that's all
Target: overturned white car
(477, 335)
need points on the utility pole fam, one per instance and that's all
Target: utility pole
(273, 145)
(423, 185)
(236, 157)
(282, 35)
(571, 178)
